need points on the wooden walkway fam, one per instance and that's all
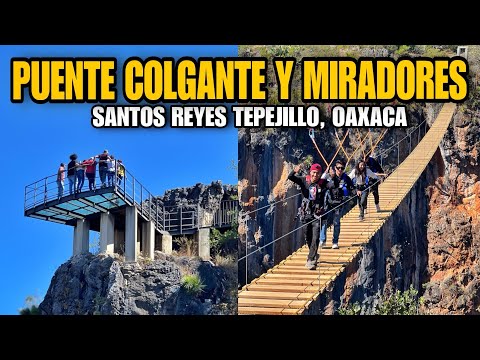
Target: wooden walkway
(289, 288)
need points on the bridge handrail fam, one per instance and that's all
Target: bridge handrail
(134, 193)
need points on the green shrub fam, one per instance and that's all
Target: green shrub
(431, 51)
(403, 50)
(192, 284)
(31, 306)
(225, 242)
(307, 161)
(351, 309)
(30, 311)
(399, 303)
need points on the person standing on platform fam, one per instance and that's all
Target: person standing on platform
(61, 179)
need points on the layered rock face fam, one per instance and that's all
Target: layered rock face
(207, 196)
(104, 285)
(453, 228)
(99, 284)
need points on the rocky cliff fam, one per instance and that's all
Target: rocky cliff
(100, 284)
(432, 240)
(207, 196)
(453, 228)
(105, 285)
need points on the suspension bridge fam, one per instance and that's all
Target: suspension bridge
(289, 288)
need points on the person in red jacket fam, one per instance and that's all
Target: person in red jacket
(91, 168)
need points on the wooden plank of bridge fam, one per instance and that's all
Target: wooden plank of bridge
(289, 288)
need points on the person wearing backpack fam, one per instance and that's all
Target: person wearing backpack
(313, 191)
(362, 177)
(338, 190)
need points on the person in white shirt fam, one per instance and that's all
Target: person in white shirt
(361, 176)
(111, 165)
(329, 174)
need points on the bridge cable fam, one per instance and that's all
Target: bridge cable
(338, 147)
(359, 136)
(270, 205)
(312, 136)
(348, 159)
(282, 236)
(376, 143)
(351, 156)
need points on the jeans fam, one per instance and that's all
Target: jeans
(362, 202)
(81, 179)
(111, 175)
(311, 237)
(334, 217)
(374, 190)
(102, 172)
(91, 181)
(72, 183)
(60, 184)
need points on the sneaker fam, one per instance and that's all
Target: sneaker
(361, 218)
(378, 207)
(308, 264)
(335, 246)
(322, 244)
(312, 265)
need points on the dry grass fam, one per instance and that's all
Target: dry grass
(187, 246)
(223, 261)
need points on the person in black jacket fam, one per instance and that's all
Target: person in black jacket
(313, 191)
(103, 160)
(339, 189)
(71, 173)
(375, 167)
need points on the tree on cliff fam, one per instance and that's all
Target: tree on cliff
(31, 306)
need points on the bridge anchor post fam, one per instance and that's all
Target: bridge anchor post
(81, 237)
(167, 243)
(148, 239)
(202, 236)
(107, 233)
(131, 224)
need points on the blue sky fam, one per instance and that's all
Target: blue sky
(36, 138)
